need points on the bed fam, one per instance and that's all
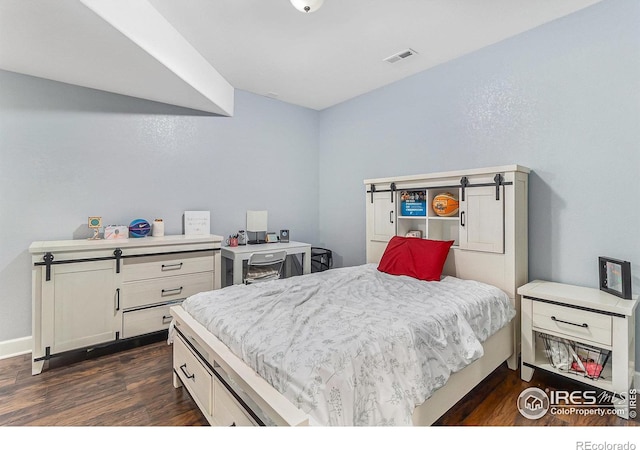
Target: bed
(355, 346)
(363, 345)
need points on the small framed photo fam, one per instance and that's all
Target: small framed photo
(95, 222)
(615, 276)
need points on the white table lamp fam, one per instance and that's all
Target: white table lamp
(257, 223)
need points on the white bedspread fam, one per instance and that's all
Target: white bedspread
(355, 346)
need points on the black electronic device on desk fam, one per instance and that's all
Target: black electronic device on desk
(284, 235)
(260, 238)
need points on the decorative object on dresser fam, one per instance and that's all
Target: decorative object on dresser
(96, 293)
(581, 333)
(197, 223)
(615, 276)
(95, 223)
(157, 229)
(116, 232)
(139, 228)
(284, 235)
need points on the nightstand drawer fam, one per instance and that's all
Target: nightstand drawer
(163, 290)
(157, 266)
(147, 320)
(572, 322)
(197, 379)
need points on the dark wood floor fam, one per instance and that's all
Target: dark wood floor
(134, 388)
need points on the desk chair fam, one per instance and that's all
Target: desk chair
(264, 266)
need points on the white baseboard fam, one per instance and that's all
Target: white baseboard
(15, 347)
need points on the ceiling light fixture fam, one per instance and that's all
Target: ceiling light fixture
(307, 6)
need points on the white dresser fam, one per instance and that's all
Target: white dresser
(88, 293)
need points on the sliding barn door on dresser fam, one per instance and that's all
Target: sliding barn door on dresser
(81, 290)
(89, 293)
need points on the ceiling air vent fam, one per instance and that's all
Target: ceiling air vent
(400, 56)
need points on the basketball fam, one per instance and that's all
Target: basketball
(445, 205)
(139, 228)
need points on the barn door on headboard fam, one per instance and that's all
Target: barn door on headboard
(381, 223)
(482, 219)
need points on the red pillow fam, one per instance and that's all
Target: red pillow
(418, 258)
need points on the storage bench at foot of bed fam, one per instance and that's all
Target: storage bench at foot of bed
(235, 393)
(214, 400)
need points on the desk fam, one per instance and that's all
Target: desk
(237, 255)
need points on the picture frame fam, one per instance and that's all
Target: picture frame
(197, 223)
(615, 276)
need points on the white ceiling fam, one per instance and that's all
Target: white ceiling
(184, 54)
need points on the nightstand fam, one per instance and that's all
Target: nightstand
(555, 316)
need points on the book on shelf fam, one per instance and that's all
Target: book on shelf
(413, 203)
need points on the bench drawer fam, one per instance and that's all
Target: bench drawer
(196, 378)
(226, 410)
(574, 323)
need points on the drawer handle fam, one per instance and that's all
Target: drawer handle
(167, 319)
(177, 266)
(584, 325)
(186, 374)
(172, 291)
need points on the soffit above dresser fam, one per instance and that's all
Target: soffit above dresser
(120, 46)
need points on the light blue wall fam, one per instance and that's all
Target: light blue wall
(67, 153)
(563, 100)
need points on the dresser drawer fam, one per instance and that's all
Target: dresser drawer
(156, 266)
(226, 410)
(197, 379)
(572, 322)
(163, 290)
(147, 320)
